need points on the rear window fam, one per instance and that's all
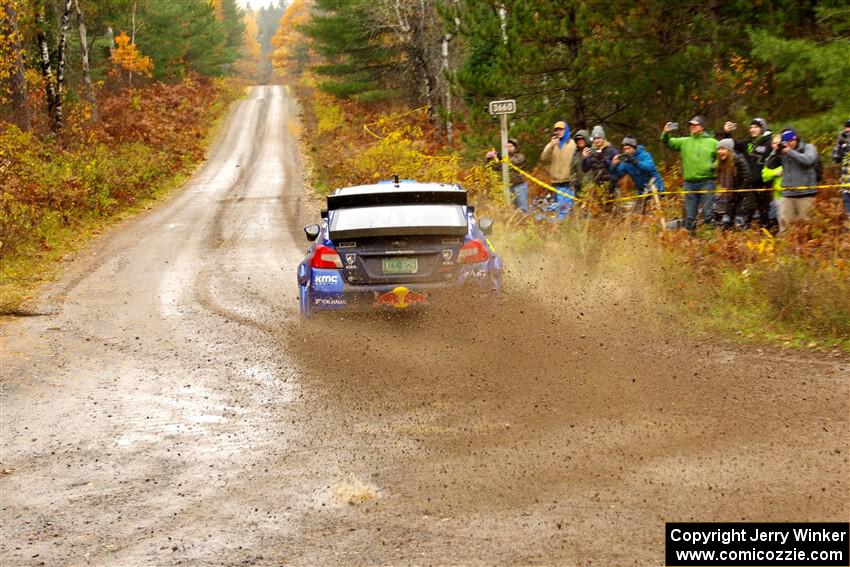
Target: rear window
(398, 220)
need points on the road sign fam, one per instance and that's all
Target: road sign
(502, 108)
(498, 107)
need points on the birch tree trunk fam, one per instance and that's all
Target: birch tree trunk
(85, 57)
(54, 88)
(20, 96)
(111, 35)
(132, 42)
(46, 68)
(60, 64)
(444, 68)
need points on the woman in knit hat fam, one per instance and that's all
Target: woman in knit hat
(733, 173)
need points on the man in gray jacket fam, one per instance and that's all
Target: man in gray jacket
(799, 177)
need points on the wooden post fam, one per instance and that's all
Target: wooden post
(658, 203)
(506, 179)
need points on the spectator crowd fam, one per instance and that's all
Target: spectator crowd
(763, 178)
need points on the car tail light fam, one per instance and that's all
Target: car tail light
(473, 252)
(325, 257)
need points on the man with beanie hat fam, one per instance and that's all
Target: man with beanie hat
(798, 160)
(755, 149)
(558, 153)
(580, 178)
(597, 160)
(636, 162)
(699, 168)
(519, 187)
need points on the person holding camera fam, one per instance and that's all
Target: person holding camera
(559, 153)
(755, 149)
(518, 186)
(798, 160)
(699, 168)
(841, 156)
(636, 162)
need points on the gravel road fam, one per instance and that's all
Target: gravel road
(167, 408)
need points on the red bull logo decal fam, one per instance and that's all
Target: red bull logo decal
(400, 298)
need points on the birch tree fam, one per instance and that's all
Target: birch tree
(53, 83)
(84, 55)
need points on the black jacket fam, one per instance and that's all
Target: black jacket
(756, 151)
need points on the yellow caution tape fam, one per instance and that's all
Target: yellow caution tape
(661, 193)
(704, 191)
(541, 183)
(389, 119)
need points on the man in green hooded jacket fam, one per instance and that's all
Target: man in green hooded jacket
(699, 168)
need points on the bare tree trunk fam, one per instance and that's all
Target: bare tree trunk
(60, 64)
(111, 35)
(46, 68)
(85, 57)
(54, 88)
(503, 23)
(132, 42)
(445, 70)
(20, 96)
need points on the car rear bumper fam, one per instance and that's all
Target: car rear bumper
(397, 297)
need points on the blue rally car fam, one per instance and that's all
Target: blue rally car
(397, 245)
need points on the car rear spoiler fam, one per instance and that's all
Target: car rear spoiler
(436, 230)
(396, 197)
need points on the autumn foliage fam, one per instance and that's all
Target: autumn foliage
(145, 137)
(127, 59)
(9, 52)
(291, 47)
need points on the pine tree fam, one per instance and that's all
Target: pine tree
(233, 21)
(361, 59)
(183, 37)
(815, 68)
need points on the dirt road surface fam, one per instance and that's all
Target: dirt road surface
(168, 409)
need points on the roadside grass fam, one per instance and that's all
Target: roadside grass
(786, 302)
(44, 233)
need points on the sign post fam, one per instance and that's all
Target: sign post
(502, 108)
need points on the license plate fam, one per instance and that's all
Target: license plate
(400, 265)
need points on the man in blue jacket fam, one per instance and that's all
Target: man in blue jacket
(636, 162)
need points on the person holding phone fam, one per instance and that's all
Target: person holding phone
(699, 169)
(518, 186)
(755, 149)
(558, 153)
(597, 160)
